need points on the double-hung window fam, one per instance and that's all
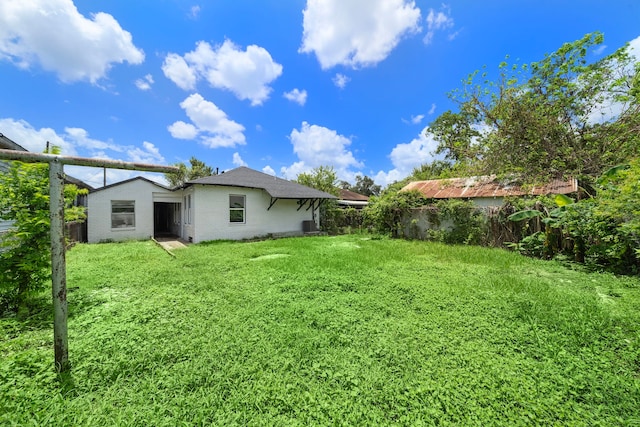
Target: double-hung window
(236, 208)
(123, 213)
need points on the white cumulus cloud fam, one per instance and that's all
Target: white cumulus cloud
(296, 95)
(407, 156)
(148, 153)
(194, 12)
(356, 33)
(145, 82)
(269, 170)
(55, 36)
(182, 130)
(320, 146)
(415, 120)
(247, 73)
(75, 141)
(176, 69)
(209, 123)
(439, 21)
(340, 80)
(237, 160)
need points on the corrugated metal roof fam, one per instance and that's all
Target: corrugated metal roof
(276, 187)
(487, 186)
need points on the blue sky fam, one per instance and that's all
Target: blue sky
(281, 86)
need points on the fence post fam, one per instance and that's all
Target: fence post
(58, 265)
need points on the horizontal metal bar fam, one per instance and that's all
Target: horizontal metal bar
(29, 157)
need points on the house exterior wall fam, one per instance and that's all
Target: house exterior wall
(188, 215)
(99, 211)
(204, 213)
(211, 214)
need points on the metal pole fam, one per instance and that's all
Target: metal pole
(58, 265)
(28, 157)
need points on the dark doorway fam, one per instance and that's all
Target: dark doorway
(166, 219)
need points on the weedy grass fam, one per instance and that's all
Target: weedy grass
(345, 330)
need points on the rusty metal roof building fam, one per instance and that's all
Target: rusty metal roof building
(352, 199)
(352, 196)
(487, 187)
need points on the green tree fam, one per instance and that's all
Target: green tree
(613, 226)
(385, 213)
(25, 253)
(324, 178)
(542, 120)
(437, 169)
(344, 185)
(198, 169)
(457, 134)
(365, 186)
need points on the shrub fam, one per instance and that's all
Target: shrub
(25, 258)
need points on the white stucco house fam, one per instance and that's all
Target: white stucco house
(239, 204)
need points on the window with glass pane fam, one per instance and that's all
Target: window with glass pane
(123, 214)
(236, 208)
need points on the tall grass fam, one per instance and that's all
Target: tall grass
(328, 330)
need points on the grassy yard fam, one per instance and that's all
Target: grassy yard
(343, 330)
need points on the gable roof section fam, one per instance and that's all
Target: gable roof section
(141, 178)
(486, 186)
(277, 188)
(8, 144)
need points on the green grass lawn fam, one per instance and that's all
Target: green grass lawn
(346, 330)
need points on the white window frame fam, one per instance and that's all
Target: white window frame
(234, 209)
(128, 219)
(187, 209)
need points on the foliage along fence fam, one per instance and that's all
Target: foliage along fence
(461, 222)
(337, 220)
(579, 234)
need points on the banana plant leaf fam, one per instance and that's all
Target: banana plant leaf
(562, 200)
(526, 214)
(611, 173)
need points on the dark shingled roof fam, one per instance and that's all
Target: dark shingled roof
(276, 187)
(8, 144)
